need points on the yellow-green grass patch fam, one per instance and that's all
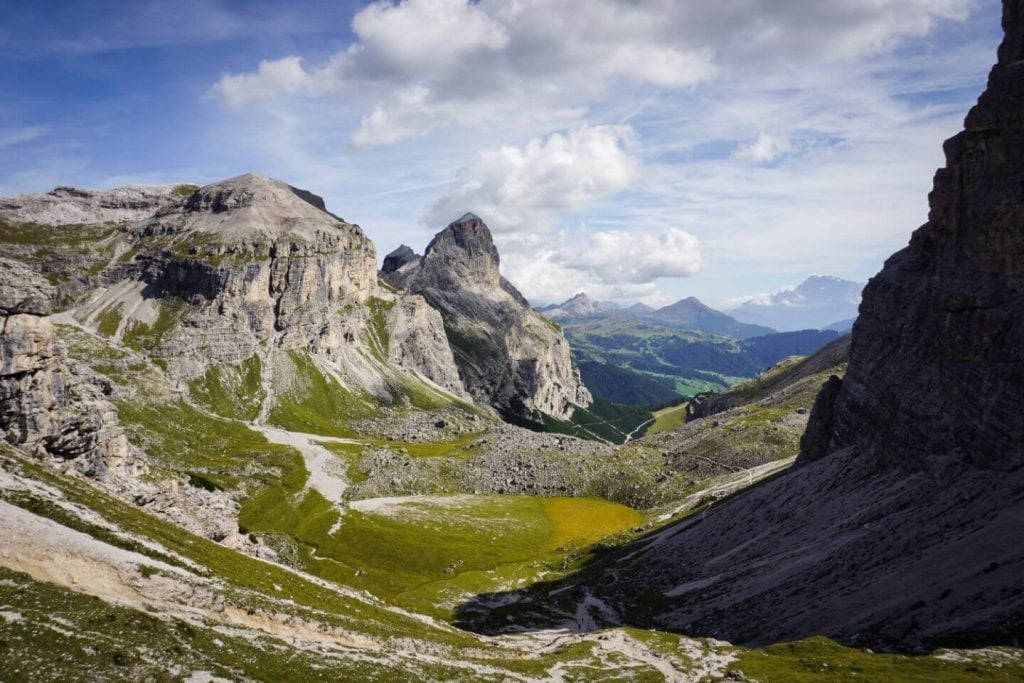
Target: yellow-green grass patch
(668, 419)
(420, 552)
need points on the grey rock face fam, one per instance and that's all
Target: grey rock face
(937, 363)
(257, 259)
(508, 355)
(242, 267)
(48, 403)
(23, 291)
(75, 206)
(418, 343)
(814, 444)
(398, 258)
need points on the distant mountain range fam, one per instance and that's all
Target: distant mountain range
(686, 314)
(645, 356)
(816, 303)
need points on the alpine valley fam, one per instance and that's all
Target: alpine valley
(234, 449)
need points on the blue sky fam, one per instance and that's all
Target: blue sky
(636, 150)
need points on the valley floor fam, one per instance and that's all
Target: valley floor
(95, 589)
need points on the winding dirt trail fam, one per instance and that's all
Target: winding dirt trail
(326, 469)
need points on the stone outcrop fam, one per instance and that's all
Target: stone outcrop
(255, 259)
(508, 355)
(417, 342)
(252, 265)
(198, 276)
(398, 258)
(937, 363)
(48, 403)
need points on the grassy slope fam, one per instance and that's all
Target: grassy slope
(60, 635)
(668, 419)
(231, 391)
(429, 551)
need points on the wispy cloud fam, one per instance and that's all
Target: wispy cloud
(20, 135)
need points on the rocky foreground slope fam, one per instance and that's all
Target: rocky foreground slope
(899, 529)
(509, 356)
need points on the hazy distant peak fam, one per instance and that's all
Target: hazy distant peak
(815, 303)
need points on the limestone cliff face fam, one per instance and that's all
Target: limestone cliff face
(257, 260)
(508, 355)
(937, 362)
(417, 342)
(248, 266)
(48, 403)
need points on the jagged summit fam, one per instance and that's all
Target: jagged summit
(578, 306)
(580, 298)
(508, 355)
(461, 255)
(467, 217)
(398, 258)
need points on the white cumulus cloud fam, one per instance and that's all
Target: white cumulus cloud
(423, 37)
(273, 78)
(481, 62)
(636, 257)
(524, 188)
(765, 149)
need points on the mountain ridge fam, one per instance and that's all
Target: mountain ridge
(509, 356)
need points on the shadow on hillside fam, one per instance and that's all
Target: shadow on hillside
(835, 548)
(569, 603)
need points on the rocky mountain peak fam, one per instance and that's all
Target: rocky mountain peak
(398, 258)
(580, 305)
(254, 207)
(936, 371)
(1012, 49)
(509, 356)
(464, 254)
